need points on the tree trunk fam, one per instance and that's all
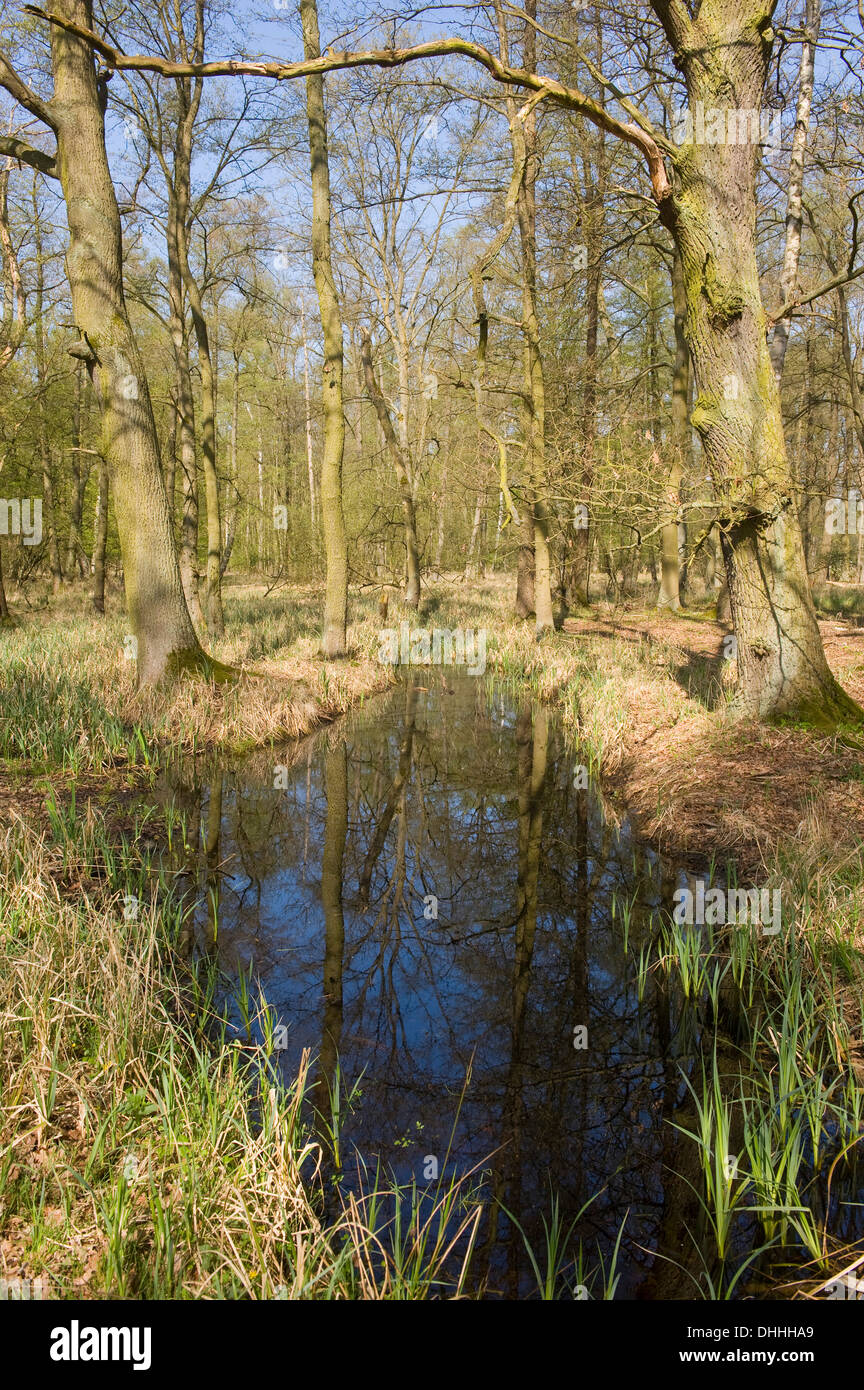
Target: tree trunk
(48, 500)
(100, 539)
(333, 636)
(189, 469)
(412, 554)
(794, 201)
(154, 594)
(307, 402)
(525, 566)
(577, 577)
(523, 136)
(213, 589)
(5, 615)
(679, 447)
(781, 662)
(75, 558)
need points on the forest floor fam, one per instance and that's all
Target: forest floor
(642, 691)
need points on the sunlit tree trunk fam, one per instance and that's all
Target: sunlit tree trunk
(794, 199)
(412, 553)
(154, 594)
(679, 447)
(579, 533)
(781, 663)
(75, 558)
(213, 588)
(333, 637)
(523, 137)
(100, 539)
(48, 500)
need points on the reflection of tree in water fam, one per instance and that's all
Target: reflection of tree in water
(332, 857)
(322, 886)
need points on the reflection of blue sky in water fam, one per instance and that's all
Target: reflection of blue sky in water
(497, 832)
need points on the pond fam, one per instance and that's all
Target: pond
(437, 903)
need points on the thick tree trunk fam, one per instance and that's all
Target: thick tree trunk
(189, 471)
(154, 594)
(781, 663)
(333, 638)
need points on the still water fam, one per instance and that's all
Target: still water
(433, 902)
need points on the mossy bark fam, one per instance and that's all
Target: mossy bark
(679, 447)
(154, 594)
(724, 55)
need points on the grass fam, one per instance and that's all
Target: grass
(146, 1154)
(143, 1153)
(777, 1111)
(70, 703)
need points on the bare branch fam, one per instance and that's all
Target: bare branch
(569, 97)
(27, 154)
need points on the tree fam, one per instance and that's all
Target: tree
(75, 116)
(333, 636)
(704, 192)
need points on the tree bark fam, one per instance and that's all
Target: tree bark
(100, 539)
(523, 137)
(75, 557)
(577, 576)
(48, 500)
(679, 447)
(781, 663)
(794, 201)
(333, 636)
(213, 588)
(412, 554)
(154, 594)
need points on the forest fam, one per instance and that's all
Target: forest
(431, 653)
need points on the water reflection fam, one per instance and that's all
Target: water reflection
(426, 892)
